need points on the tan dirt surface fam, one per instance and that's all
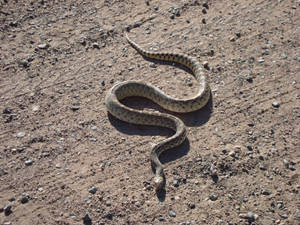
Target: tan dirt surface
(64, 160)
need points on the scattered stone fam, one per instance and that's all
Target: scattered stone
(279, 204)
(205, 65)
(275, 104)
(28, 162)
(58, 166)
(260, 60)
(93, 190)
(283, 55)
(43, 46)
(21, 135)
(284, 216)
(249, 79)
(205, 5)
(298, 58)
(7, 210)
(24, 63)
(172, 213)
(103, 82)
(131, 68)
(176, 183)
(12, 199)
(213, 197)
(204, 11)
(262, 167)
(161, 218)
(87, 219)
(191, 205)
(93, 139)
(96, 45)
(265, 192)
(203, 21)
(251, 217)
(153, 65)
(24, 199)
(109, 216)
(108, 203)
(232, 39)
(6, 111)
(35, 108)
(75, 107)
(249, 147)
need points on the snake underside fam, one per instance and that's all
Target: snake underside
(137, 88)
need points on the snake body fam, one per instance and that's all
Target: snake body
(137, 88)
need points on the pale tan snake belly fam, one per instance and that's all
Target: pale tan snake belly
(137, 88)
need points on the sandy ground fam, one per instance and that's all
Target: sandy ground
(64, 160)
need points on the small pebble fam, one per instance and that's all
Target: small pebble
(172, 213)
(35, 108)
(109, 216)
(96, 45)
(275, 104)
(93, 190)
(21, 134)
(205, 65)
(87, 219)
(251, 217)
(43, 46)
(279, 204)
(93, 139)
(249, 79)
(284, 216)
(261, 60)
(262, 167)
(213, 197)
(265, 192)
(7, 210)
(24, 199)
(191, 205)
(205, 5)
(75, 107)
(176, 183)
(28, 162)
(12, 199)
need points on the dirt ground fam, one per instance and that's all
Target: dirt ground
(64, 160)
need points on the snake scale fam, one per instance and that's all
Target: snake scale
(137, 88)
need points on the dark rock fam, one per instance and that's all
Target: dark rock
(93, 190)
(75, 107)
(275, 104)
(191, 205)
(87, 219)
(7, 210)
(213, 197)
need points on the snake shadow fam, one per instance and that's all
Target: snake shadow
(191, 119)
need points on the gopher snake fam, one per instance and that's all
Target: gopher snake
(136, 88)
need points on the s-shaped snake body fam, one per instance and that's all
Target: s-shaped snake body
(137, 88)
